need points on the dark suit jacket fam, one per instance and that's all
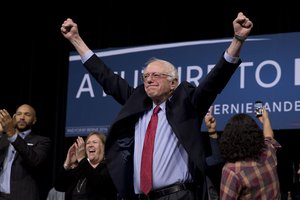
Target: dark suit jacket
(185, 112)
(31, 153)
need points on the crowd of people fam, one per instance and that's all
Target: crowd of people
(179, 156)
(162, 115)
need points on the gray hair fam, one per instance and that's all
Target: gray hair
(172, 71)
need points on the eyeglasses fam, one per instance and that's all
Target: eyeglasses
(154, 76)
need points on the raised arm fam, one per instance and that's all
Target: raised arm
(69, 29)
(264, 119)
(242, 27)
(211, 125)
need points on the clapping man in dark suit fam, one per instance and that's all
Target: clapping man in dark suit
(21, 154)
(179, 154)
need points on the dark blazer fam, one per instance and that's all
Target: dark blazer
(31, 153)
(99, 185)
(185, 112)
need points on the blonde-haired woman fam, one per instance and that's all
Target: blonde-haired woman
(84, 174)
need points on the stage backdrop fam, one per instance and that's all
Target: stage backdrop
(270, 72)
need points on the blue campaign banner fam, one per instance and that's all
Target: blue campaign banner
(270, 72)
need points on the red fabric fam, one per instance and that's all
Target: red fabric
(146, 164)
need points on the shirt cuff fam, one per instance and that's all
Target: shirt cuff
(231, 59)
(86, 56)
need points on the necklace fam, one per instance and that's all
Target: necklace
(80, 184)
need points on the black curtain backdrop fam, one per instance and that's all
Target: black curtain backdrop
(34, 57)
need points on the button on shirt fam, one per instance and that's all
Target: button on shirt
(6, 171)
(170, 160)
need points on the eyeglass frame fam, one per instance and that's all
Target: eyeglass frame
(154, 76)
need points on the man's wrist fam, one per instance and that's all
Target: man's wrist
(239, 38)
